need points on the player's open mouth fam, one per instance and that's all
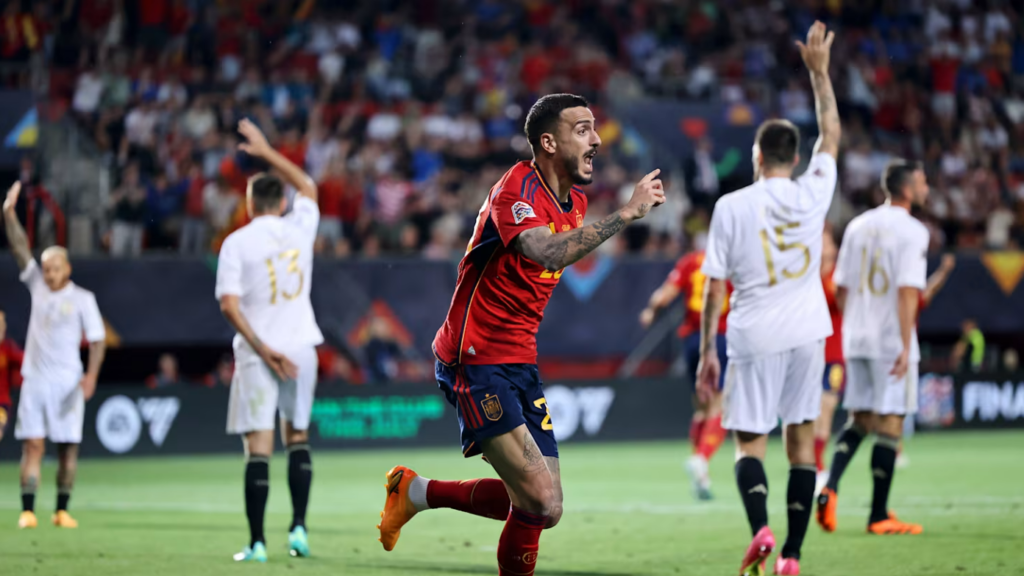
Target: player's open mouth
(588, 159)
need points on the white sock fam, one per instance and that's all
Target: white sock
(418, 493)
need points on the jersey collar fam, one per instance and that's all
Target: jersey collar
(547, 189)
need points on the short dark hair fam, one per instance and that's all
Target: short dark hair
(778, 141)
(267, 192)
(897, 175)
(545, 112)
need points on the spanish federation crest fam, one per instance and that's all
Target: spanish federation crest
(521, 211)
(579, 219)
(492, 408)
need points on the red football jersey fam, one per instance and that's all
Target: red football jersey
(500, 294)
(10, 363)
(689, 279)
(834, 343)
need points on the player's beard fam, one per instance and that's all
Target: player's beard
(572, 168)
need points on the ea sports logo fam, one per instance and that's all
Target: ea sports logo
(118, 424)
(530, 558)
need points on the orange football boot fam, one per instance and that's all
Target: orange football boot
(27, 520)
(398, 509)
(64, 520)
(893, 525)
(828, 501)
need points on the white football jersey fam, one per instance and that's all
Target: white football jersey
(883, 249)
(55, 329)
(766, 239)
(268, 264)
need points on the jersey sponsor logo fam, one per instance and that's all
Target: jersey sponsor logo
(492, 408)
(521, 211)
(472, 351)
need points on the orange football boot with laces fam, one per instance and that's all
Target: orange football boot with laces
(398, 509)
(27, 520)
(828, 501)
(893, 525)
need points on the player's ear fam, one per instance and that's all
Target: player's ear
(284, 204)
(796, 159)
(547, 143)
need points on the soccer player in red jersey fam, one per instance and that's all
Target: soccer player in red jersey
(706, 433)
(529, 229)
(835, 368)
(10, 364)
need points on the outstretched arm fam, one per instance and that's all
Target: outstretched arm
(258, 146)
(938, 278)
(816, 57)
(16, 236)
(556, 251)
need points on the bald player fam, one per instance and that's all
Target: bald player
(54, 391)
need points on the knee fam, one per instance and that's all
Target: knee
(863, 422)
(555, 513)
(32, 449)
(540, 498)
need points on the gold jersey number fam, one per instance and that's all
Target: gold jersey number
(292, 257)
(773, 277)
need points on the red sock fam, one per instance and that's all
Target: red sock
(485, 497)
(711, 437)
(819, 453)
(520, 541)
(696, 427)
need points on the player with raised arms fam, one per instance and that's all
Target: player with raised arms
(529, 229)
(881, 273)
(264, 275)
(766, 239)
(55, 387)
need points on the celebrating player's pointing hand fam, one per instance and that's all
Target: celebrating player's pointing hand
(817, 49)
(12, 197)
(647, 194)
(257, 144)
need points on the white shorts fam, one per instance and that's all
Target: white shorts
(787, 385)
(870, 387)
(54, 411)
(256, 393)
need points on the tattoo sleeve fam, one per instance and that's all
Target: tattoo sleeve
(531, 452)
(556, 251)
(714, 296)
(97, 350)
(829, 128)
(18, 240)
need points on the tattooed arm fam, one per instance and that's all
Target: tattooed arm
(816, 56)
(556, 251)
(16, 236)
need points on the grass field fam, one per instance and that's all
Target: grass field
(628, 511)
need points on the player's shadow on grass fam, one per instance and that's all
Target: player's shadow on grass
(202, 527)
(441, 569)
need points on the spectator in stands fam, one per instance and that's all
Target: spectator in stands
(382, 353)
(167, 373)
(194, 224)
(702, 174)
(222, 373)
(219, 204)
(128, 204)
(164, 200)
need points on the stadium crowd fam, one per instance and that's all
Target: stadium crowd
(407, 112)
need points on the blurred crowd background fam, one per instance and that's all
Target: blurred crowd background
(407, 112)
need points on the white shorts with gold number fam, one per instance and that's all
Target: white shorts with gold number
(761, 390)
(257, 394)
(871, 387)
(51, 410)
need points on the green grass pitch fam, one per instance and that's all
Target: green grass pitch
(628, 511)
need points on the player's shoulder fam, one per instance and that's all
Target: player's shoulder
(915, 229)
(579, 197)
(83, 293)
(516, 179)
